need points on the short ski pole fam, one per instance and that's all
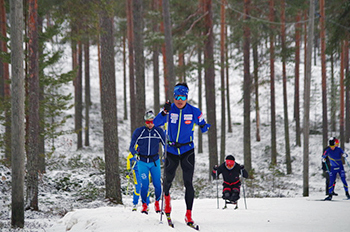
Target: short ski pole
(325, 163)
(165, 156)
(245, 202)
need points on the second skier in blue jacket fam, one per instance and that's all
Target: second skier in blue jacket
(145, 144)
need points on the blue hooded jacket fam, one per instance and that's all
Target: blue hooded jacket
(181, 127)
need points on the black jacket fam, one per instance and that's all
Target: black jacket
(230, 176)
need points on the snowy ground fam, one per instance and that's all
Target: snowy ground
(270, 215)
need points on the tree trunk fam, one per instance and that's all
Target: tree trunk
(324, 74)
(169, 80)
(333, 97)
(307, 81)
(341, 82)
(124, 79)
(17, 114)
(130, 29)
(347, 93)
(87, 90)
(200, 81)
(222, 74)
(5, 86)
(77, 82)
(109, 110)
(42, 158)
(139, 62)
(78, 93)
(200, 97)
(229, 123)
(272, 86)
(3, 45)
(181, 66)
(297, 79)
(285, 100)
(209, 77)
(155, 60)
(33, 108)
(256, 86)
(246, 90)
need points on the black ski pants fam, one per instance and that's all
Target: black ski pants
(186, 160)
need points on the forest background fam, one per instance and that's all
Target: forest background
(199, 42)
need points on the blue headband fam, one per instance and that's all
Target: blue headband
(180, 90)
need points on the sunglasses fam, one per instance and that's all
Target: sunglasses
(180, 97)
(149, 122)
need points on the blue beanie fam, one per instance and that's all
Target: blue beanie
(180, 90)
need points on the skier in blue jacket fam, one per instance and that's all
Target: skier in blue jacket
(336, 167)
(145, 144)
(180, 148)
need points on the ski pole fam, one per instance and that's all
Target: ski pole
(127, 188)
(346, 160)
(165, 156)
(325, 163)
(128, 177)
(245, 203)
(217, 190)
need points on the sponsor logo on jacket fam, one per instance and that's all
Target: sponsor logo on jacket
(174, 117)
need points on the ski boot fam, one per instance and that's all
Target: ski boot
(329, 198)
(188, 217)
(347, 195)
(144, 208)
(167, 208)
(156, 206)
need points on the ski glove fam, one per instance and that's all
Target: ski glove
(167, 106)
(242, 166)
(345, 155)
(205, 127)
(128, 173)
(214, 172)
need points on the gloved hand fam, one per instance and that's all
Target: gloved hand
(242, 166)
(128, 173)
(205, 127)
(167, 106)
(214, 172)
(345, 155)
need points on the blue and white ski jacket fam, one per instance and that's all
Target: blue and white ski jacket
(181, 127)
(334, 156)
(148, 143)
